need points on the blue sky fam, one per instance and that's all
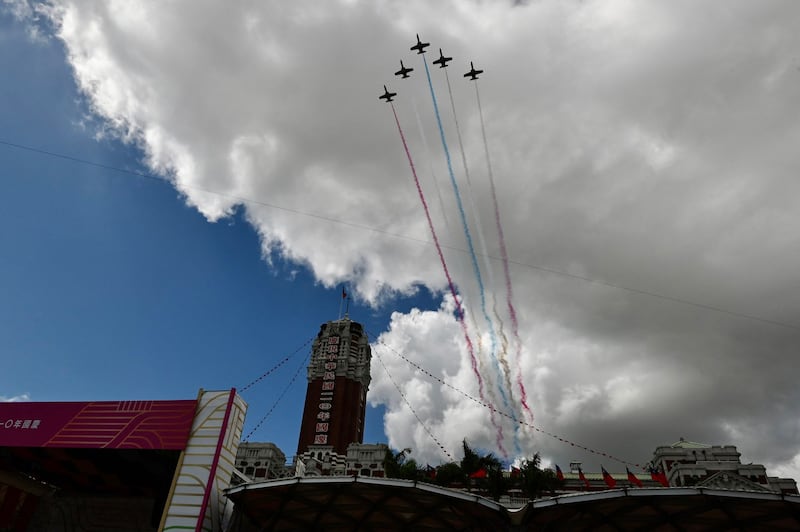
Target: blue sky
(112, 288)
(642, 157)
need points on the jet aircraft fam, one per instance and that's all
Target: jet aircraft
(420, 46)
(442, 61)
(403, 70)
(473, 74)
(387, 95)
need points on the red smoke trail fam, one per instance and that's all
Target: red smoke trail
(468, 236)
(503, 355)
(504, 255)
(459, 309)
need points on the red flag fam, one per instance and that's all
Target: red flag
(430, 472)
(607, 478)
(480, 473)
(659, 476)
(583, 478)
(632, 479)
(559, 474)
(344, 294)
(515, 472)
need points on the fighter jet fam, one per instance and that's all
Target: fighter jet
(473, 74)
(403, 70)
(442, 61)
(387, 95)
(420, 46)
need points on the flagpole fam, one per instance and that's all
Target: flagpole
(341, 300)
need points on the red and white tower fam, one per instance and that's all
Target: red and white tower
(338, 379)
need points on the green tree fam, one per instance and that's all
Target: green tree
(473, 461)
(450, 474)
(398, 465)
(492, 479)
(496, 484)
(536, 482)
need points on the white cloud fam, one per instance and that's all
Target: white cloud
(15, 398)
(29, 13)
(644, 144)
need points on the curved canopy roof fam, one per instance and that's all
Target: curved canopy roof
(663, 509)
(350, 503)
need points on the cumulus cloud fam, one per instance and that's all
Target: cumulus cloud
(647, 145)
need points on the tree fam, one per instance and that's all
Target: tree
(450, 474)
(496, 484)
(486, 471)
(536, 482)
(473, 461)
(397, 465)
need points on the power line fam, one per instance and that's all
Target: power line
(79, 160)
(553, 271)
(657, 295)
(492, 408)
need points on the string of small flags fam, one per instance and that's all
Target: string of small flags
(505, 414)
(424, 426)
(275, 367)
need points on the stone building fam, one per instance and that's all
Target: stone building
(689, 463)
(259, 461)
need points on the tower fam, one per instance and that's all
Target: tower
(338, 379)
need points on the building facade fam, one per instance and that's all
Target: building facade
(594, 480)
(336, 396)
(260, 461)
(360, 460)
(687, 463)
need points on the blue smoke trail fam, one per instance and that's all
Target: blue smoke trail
(459, 310)
(474, 258)
(503, 355)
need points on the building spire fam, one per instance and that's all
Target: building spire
(344, 296)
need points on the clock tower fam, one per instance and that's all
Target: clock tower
(338, 379)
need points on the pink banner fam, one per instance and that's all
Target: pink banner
(104, 424)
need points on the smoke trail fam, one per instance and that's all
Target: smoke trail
(430, 161)
(470, 195)
(459, 310)
(474, 258)
(503, 358)
(482, 364)
(504, 255)
(507, 372)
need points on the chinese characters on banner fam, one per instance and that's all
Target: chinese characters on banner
(20, 424)
(331, 351)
